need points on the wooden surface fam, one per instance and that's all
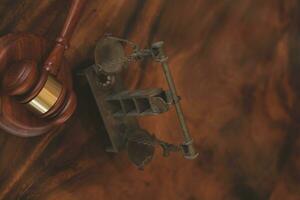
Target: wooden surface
(236, 65)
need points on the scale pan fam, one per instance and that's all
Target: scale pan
(110, 56)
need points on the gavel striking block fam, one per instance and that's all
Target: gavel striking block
(36, 94)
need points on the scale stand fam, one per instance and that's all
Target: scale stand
(119, 107)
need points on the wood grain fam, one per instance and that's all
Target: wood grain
(236, 66)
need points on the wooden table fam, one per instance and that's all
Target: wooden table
(236, 65)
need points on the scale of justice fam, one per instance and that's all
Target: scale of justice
(120, 108)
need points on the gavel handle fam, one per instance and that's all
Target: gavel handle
(55, 58)
(71, 22)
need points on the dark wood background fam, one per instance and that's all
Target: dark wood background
(236, 64)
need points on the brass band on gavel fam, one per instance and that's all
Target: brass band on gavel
(47, 97)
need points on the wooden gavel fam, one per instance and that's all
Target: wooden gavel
(36, 96)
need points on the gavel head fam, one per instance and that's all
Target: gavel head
(20, 78)
(41, 92)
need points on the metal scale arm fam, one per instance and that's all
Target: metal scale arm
(188, 147)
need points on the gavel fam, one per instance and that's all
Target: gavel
(36, 96)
